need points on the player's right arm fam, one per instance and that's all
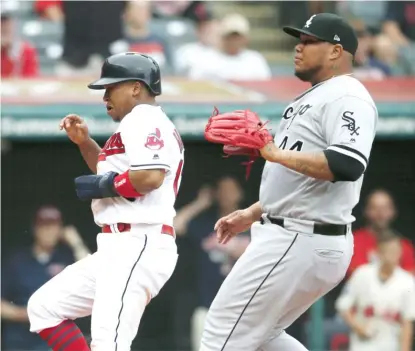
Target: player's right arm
(77, 131)
(407, 333)
(408, 316)
(347, 300)
(357, 327)
(147, 166)
(255, 211)
(237, 222)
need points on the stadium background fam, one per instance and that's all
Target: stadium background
(39, 163)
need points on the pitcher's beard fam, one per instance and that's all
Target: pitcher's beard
(308, 75)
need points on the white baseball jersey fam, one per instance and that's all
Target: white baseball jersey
(145, 139)
(337, 114)
(381, 306)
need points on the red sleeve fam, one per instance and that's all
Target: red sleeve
(30, 62)
(359, 256)
(41, 6)
(408, 256)
(362, 246)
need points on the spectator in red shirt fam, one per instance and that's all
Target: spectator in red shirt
(379, 212)
(51, 10)
(18, 58)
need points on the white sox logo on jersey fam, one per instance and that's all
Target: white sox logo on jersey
(351, 123)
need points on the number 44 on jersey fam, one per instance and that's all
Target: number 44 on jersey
(297, 146)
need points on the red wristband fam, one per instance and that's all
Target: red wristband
(123, 186)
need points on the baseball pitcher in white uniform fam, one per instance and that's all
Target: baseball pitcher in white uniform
(301, 234)
(136, 179)
(378, 302)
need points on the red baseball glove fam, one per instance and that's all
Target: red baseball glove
(241, 128)
(241, 132)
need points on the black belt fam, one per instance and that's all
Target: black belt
(323, 229)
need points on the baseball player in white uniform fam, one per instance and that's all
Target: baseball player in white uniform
(378, 303)
(301, 233)
(137, 175)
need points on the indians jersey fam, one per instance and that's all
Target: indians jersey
(379, 305)
(338, 114)
(145, 139)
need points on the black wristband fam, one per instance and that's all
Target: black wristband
(106, 185)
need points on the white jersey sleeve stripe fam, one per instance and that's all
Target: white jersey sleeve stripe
(351, 149)
(349, 152)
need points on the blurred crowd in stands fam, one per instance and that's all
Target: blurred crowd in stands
(23, 271)
(223, 41)
(375, 305)
(195, 39)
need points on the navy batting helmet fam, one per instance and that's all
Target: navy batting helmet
(129, 66)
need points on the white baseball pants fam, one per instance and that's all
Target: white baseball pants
(280, 275)
(114, 285)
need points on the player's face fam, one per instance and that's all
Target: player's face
(119, 99)
(390, 253)
(47, 235)
(380, 210)
(310, 57)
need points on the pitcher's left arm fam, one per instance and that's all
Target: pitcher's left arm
(349, 127)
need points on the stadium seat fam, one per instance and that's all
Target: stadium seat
(46, 36)
(178, 31)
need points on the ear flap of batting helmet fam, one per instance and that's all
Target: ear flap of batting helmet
(129, 66)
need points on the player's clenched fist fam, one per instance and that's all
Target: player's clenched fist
(76, 128)
(236, 222)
